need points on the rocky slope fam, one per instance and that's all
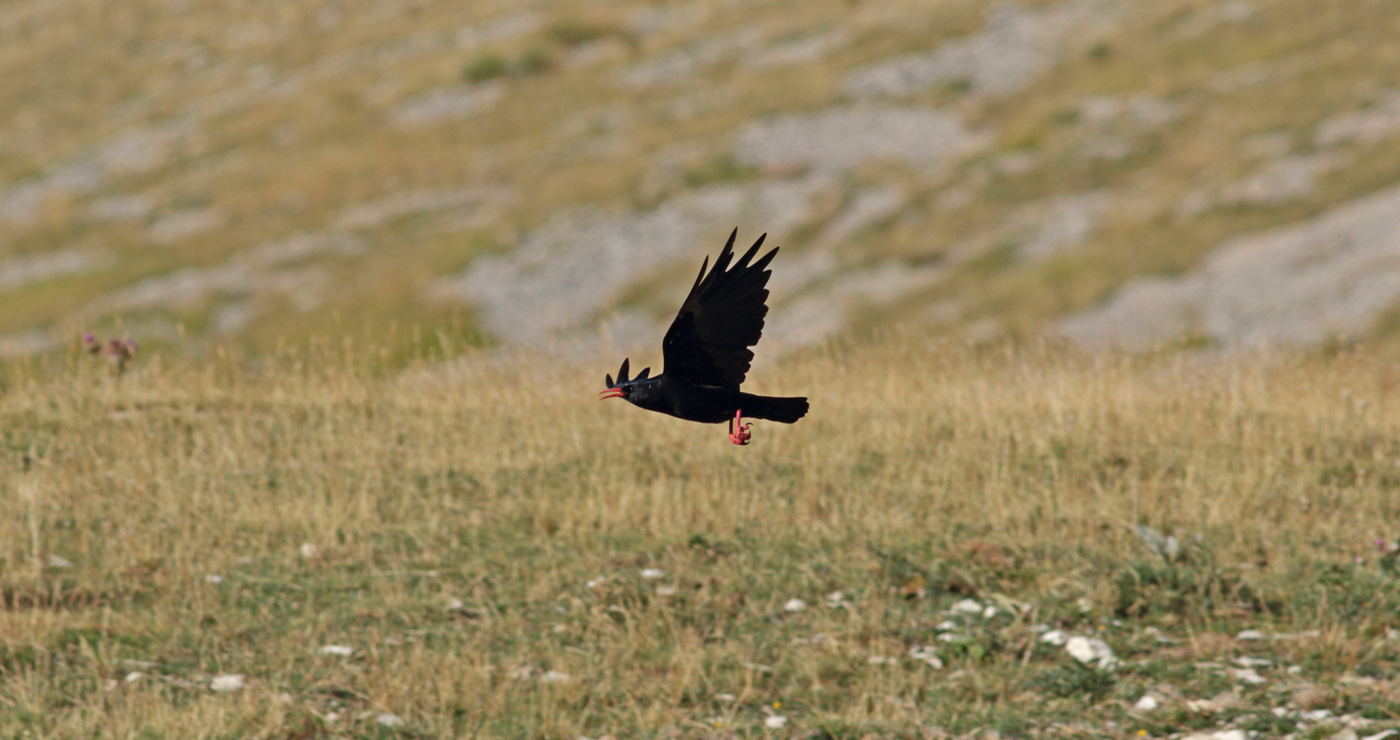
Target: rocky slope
(551, 173)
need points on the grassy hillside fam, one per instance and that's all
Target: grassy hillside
(205, 173)
(503, 556)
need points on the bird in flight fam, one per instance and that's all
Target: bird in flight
(707, 354)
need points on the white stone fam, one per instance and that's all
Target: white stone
(1091, 650)
(1218, 735)
(794, 605)
(968, 606)
(652, 574)
(389, 720)
(1147, 703)
(775, 722)
(227, 682)
(1250, 635)
(1054, 637)
(1248, 675)
(341, 650)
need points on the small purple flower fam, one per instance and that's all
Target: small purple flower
(1380, 544)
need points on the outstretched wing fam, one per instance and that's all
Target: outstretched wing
(722, 317)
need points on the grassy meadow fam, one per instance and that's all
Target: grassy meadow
(502, 556)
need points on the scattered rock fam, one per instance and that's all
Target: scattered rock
(842, 138)
(122, 208)
(1004, 57)
(928, 655)
(967, 606)
(684, 64)
(815, 317)
(412, 202)
(133, 152)
(1091, 651)
(497, 29)
(867, 207)
(1271, 145)
(1248, 675)
(1214, 705)
(340, 650)
(446, 104)
(1284, 179)
(1218, 735)
(1147, 703)
(389, 720)
(1369, 125)
(302, 246)
(29, 269)
(1298, 284)
(194, 285)
(553, 676)
(652, 20)
(795, 605)
(227, 682)
(799, 51)
(173, 227)
(1059, 224)
(566, 272)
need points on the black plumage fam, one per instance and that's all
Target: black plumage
(707, 353)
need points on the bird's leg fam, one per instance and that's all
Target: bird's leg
(739, 431)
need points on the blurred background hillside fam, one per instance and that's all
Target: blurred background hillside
(187, 172)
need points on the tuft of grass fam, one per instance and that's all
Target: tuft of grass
(487, 66)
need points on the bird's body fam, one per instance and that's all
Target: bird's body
(711, 404)
(707, 351)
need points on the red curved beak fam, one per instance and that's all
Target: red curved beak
(610, 393)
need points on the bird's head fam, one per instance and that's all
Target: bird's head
(631, 389)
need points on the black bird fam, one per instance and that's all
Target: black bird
(707, 354)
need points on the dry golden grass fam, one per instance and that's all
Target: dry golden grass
(342, 506)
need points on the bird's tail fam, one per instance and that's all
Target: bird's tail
(785, 410)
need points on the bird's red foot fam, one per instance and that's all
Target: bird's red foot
(739, 431)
